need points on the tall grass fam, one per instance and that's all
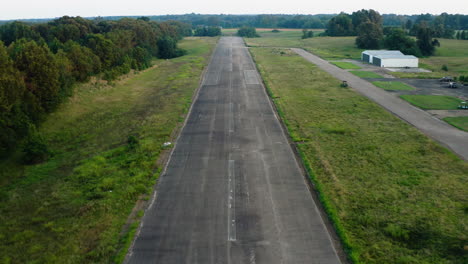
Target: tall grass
(106, 142)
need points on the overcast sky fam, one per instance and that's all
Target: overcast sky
(17, 9)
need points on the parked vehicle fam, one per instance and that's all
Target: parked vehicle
(446, 79)
(463, 105)
(452, 85)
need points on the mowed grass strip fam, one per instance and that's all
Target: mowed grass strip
(105, 143)
(366, 74)
(345, 65)
(460, 122)
(393, 86)
(433, 102)
(394, 195)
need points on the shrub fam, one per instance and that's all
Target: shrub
(444, 67)
(35, 148)
(248, 32)
(132, 142)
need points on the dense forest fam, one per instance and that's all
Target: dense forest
(40, 63)
(455, 22)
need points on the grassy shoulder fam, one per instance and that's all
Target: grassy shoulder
(105, 142)
(460, 122)
(394, 195)
(393, 86)
(433, 102)
(345, 65)
(366, 74)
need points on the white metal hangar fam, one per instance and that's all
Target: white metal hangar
(389, 59)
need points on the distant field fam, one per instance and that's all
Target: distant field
(453, 53)
(433, 102)
(326, 47)
(366, 74)
(393, 86)
(460, 122)
(105, 142)
(394, 194)
(345, 65)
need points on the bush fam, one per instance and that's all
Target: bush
(248, 32)
(35, 148)
(275, 31)
(444, 67)
(132, 142)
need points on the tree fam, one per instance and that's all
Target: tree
(84, 62)
(397, 39)
(463, 35)
(408, 24)
(40, 69)
(307, 34)
(168, 48)
(15, 31)
(11, 92)
(248, 32)
(424, 40)
(340, 25)
(369, 35)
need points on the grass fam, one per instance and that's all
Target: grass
(433, 102)
(393, 86)
(345, 65)
(330, 48)
(460, 122)
(72, 208)
(394, 195)
(453, 53)
(365, 74)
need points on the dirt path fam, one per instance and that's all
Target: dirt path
(451, 137)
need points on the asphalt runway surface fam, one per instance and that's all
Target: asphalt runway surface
(447, 135)
(233, 191)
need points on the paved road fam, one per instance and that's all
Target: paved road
(232, 191)
(451, 137)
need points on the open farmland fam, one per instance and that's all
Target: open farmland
(386, 186)
(106, 141)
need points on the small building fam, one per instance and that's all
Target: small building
(396, 61)
(368, 55)
(389, 59)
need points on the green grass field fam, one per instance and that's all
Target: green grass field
(393, 86)
(453, 53)
(394, 195)
(72, 208)
(330, 48)
(460, 122)
(366, 74)
(345, 65)
(433, 102)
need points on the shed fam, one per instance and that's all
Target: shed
(368, 55)
(396, 61)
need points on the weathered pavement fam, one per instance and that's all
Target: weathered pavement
(233, 191)
(450, 137)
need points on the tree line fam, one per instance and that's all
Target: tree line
(367, 25)
(40, 63)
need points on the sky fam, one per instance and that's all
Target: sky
(21, 9)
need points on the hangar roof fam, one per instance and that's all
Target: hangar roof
(382, 52)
